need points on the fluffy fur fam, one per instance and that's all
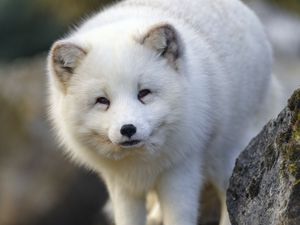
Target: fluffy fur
(206, 69)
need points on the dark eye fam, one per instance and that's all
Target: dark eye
(143, 93)
(102, 100)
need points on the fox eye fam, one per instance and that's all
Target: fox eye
(143, 93)
(103, 101)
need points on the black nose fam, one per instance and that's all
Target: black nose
(128, 130)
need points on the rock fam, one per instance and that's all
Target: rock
(265, 185)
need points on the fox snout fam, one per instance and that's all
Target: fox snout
(129, 133)
(128, 130)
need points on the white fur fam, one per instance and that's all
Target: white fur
(193, 125)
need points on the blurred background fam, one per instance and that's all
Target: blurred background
(38, 185)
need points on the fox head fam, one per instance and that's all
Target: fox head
(117, 91)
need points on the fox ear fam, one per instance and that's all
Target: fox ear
(165, 41)
(63, 59)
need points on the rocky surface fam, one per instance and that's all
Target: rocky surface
(265, 185)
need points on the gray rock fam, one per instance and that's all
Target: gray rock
(265, 186)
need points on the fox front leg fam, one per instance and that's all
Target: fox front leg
(128, 208)
(178, 191)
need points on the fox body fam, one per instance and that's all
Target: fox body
(161, 95)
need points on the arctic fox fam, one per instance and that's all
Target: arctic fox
(160, 96)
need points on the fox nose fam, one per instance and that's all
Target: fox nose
(128, 130)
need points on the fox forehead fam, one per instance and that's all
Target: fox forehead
(117, 71)
(108, 59)
(119, 67)
(110, 53)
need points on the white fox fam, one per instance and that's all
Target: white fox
(161, 96)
